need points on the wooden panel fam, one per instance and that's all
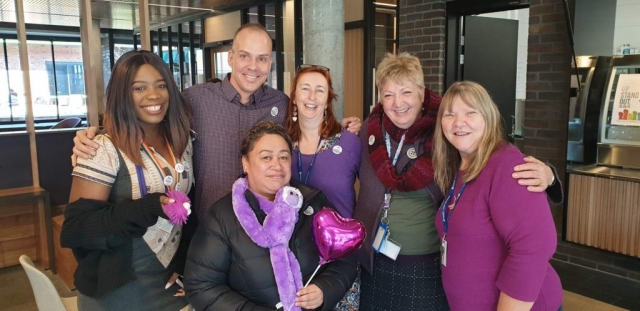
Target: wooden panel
(353, 11)
(604, 213)
(11, 250)
(17, 231)
(25, 226)
(221, 27)
(353, 68)
(65, 261)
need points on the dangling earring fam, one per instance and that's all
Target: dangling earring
(325, 112)
(295, 114)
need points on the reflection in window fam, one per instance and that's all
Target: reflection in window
(14, 82)
(7, 96)
(118, 50)
(44, 103)
(69, 79)
(221, 65)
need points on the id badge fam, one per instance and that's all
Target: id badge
(443, 253)
(380, 237)
(390, 248)
(165, 226)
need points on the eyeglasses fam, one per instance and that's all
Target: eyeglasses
(303, 66)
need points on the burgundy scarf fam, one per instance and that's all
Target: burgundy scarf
(420, 174)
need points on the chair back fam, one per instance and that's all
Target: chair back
(47, 297)
(67, 123)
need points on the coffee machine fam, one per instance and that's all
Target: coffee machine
(584, 107)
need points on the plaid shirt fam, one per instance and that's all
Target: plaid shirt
(221, 121)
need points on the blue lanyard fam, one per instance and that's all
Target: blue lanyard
(313, 160)
(443, 208)
(388, 143)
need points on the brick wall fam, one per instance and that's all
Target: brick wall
(548, 82)
(422, 33)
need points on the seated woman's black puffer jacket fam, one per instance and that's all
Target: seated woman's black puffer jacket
(227, 271)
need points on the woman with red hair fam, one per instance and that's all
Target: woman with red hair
(325, 155)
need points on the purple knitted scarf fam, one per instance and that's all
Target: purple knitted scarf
(274, 234)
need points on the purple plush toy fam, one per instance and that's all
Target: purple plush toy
(180, 209)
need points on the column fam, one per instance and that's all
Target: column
(323, 33)
(24, 66)
(92, 63)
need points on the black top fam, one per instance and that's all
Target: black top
(100, 235)
(226, 270)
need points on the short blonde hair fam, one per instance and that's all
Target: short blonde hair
(446, 158)
(400, 68)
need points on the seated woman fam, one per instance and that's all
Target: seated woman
(253, 248)
(496, 237)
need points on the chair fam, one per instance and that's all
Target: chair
(67, 123)
(47, 297)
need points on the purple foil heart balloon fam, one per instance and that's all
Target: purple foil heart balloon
(336, 237)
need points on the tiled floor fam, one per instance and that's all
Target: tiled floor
(16, 294)
(607, 288)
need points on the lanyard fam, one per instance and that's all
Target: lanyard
(313, 160)
(443, 208)
(167, 179)
(387, 194)
(388, 143)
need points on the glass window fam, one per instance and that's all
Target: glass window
(253, 15)
(221, 65)
(69, 79)
(385, 31)
(118, 50)
(198, 52)
(16, 85)
(186, 73)
(6, 98)
(174, 54)
(44, 103)
(270, 19)
(106, 63)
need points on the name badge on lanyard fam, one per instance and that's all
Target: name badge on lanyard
(382, 243)
(446, 216)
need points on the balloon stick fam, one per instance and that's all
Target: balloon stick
(314, 274)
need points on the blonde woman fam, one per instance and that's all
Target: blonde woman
(496, 237)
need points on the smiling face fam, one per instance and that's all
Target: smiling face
(268, 165)
(149, 95)
(250, 61)
(402, 102)
(312, 92)
(464, 128)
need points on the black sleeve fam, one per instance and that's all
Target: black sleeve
(555, 192)
(188, 230)
(207, 269)
(337, 277)
(92, 224)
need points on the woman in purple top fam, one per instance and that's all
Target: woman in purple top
(324, 155)
(496, 237)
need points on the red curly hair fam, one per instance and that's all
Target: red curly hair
(330, 127)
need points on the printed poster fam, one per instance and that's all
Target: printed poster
(626, 104)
